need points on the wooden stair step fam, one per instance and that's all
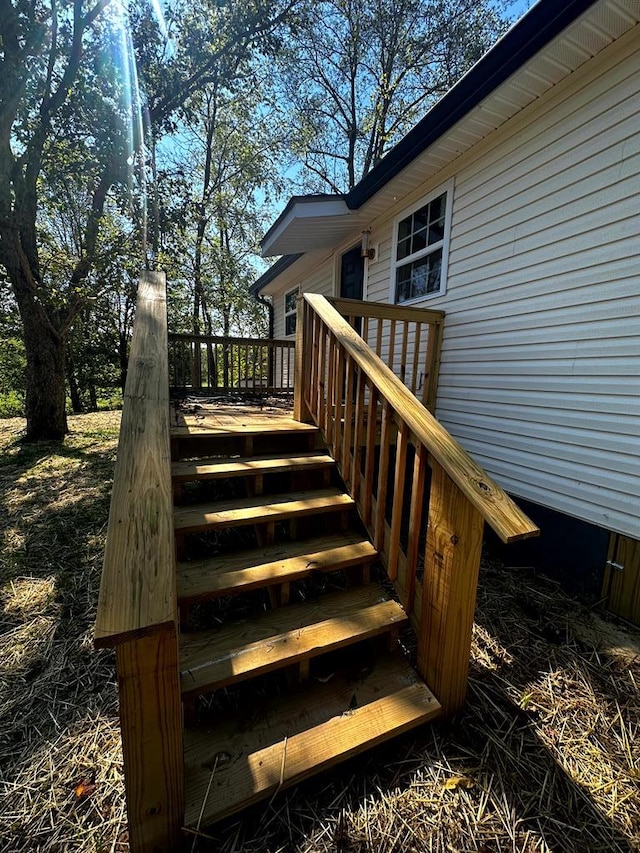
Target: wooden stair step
(213, 659)
(259, 509)
(274, 564)
(192, 426)
(211, 469)
(277, 744)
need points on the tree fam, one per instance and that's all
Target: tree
(363, 71)
(220, 171)
(59, 109)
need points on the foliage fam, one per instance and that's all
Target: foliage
(359, 74)
(71, 126)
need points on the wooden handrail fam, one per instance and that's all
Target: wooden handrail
(137, 606)
(361, 308)
(137, 591)
(495, 506)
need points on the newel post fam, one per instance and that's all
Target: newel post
(449, 587)
(151, 727)
(302, 372)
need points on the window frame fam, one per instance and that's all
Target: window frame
(444, 189)
(293, 313)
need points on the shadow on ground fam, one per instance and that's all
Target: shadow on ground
(544, 757)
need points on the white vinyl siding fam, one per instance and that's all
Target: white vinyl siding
(320, 281)
(540, 373)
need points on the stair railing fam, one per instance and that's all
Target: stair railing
(137, 607)
(420, 495)
(407, 339)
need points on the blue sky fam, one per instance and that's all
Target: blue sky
(517, 8)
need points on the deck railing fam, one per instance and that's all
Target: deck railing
(407, 339)
(137, 607)
(420, 495)
(212, 364)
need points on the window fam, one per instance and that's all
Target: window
(421, 243)
(290, 311)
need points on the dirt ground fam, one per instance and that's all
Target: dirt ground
(544, 757)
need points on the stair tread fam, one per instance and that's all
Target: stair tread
(261, 508)
(280, 743)
(212, 659)
(206, 469)
(273, 564)
(210, 426)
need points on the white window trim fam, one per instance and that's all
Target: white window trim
(443, 188)
(286, 313)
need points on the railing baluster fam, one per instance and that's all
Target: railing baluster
(357, 439)
(403, 356)
(339, 386)
(391, 355)
(370, 455)
(415, 523)
(379, 338)
(398, 496)
(330, 409)
(383, 478)
(321, 373)
(348, 421)
(461, 494)
(416, 356)
(315, 362)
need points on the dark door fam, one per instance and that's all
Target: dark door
(352, 274)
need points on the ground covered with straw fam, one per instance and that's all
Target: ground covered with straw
(545, 756)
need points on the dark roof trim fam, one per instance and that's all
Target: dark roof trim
(273, 272)
(300, 199)
(536, 29)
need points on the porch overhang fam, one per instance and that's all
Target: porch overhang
(308, 223)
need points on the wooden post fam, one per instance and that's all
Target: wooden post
(452, 563)
(196, 366)
(300, 392)
(432, 366)
(151, 725)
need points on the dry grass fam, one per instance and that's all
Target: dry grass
(545, 756)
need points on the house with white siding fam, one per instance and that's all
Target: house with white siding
(514, 207)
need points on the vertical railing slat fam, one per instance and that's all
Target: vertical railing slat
(398, 495)
(415, 522)
(383, 477)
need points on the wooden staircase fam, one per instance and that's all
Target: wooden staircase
(265, 653)
(291, 548)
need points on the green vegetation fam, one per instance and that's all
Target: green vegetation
(134, 136)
